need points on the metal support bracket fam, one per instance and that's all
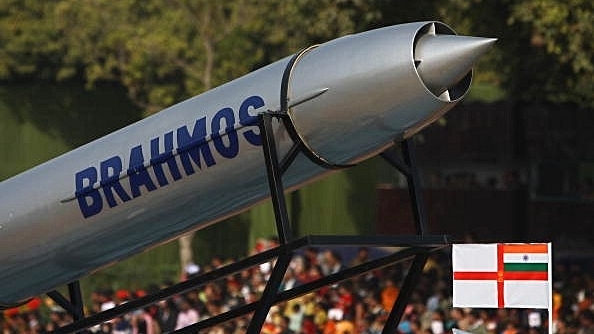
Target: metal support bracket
(416, 247)
(408, 167)
(74, 305)
(275, 181)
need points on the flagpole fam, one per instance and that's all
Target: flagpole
(550, 287)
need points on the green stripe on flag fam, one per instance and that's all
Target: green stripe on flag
(525, 267)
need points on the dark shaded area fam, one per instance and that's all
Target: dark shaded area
(362, 198)
(489, 216)
(504, 172)
(69, 111)
(570, 223)
(223, 240)
(547, 147)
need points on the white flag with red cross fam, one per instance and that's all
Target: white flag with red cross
(502, 275)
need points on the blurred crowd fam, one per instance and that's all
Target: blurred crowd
(356, 306)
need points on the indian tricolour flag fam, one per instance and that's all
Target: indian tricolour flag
(502, 275)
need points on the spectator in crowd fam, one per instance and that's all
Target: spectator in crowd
(332, 262)
(510, 328)
(187, 314)
(438, 322)
(457, 320)
(356, 306)
(586, 322)
(283, 326)
(296, 317)
(362, 256)
(475, 323)
(144, 323)
(167, 315)
(389, 294)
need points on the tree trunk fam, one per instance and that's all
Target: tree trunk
(186, 253)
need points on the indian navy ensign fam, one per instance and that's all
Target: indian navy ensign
(502, 275)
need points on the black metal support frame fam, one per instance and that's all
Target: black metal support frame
(408, 167)
(75, 305)
(416, 247)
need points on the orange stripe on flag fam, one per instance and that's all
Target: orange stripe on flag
(500, 285)
(475, 275)
(492, 276)
(526, 276)
(525, 248)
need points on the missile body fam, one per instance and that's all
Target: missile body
(201, 160)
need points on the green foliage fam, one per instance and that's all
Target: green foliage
(24, 150)
(30, 46)
(342, 203)
(161, 52)
(154, 267)
(40, 121)
(565, 30)
(165, 51)
(545, 49)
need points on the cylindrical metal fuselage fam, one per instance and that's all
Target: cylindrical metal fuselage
(201, 160)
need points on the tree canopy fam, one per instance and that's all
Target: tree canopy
(164, 51)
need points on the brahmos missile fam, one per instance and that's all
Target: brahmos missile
(200, 161)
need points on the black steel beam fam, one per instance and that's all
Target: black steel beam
(76, 300)
(303, 289)
(390, 156)
(270, 291)
(408, 167)
(288, 159)
(64, 303)
(179, 288)
(350, 272)
(73, 306)
(410, 281)
(417, 246)
(275, 178)
(218, 319)
(414, 186)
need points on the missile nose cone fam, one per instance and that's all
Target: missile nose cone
(443, 60)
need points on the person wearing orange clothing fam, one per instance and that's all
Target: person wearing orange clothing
(557, 303)
(329, 327)
(389, 294)
(510, 328)
(344, 326)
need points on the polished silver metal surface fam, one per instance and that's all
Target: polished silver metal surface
(443, 60)
(140, 187)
